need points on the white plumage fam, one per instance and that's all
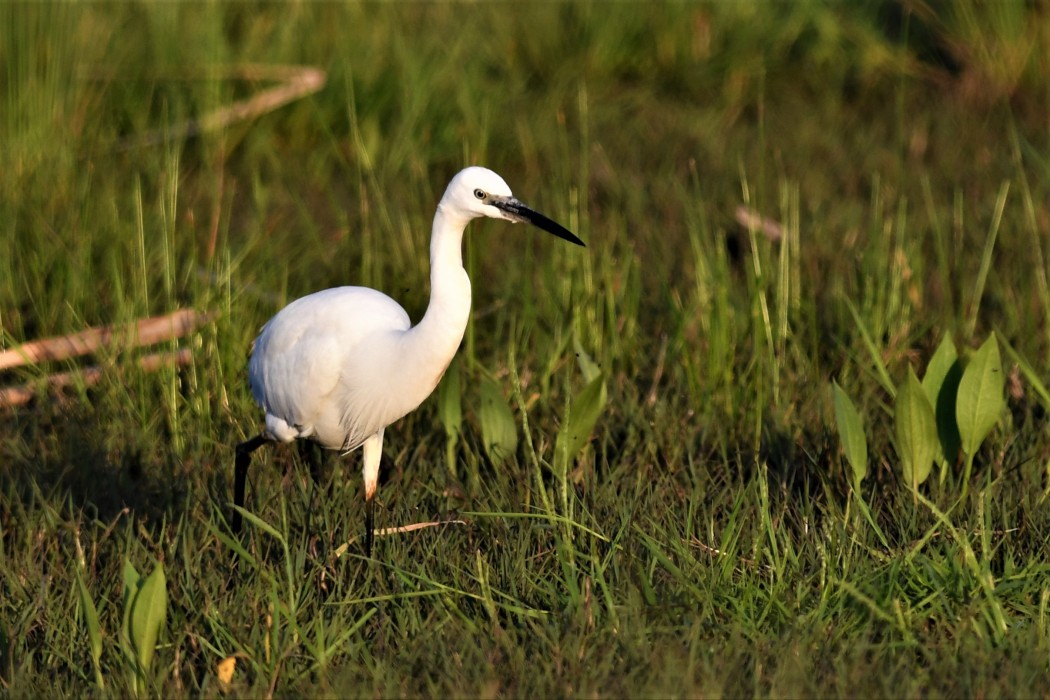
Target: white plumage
(307, 390)
(340, 365)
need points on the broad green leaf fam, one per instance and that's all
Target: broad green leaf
(941, 385)
(450, 405)
(980, 400)
(940, 364)
(149, 609)
(132, 581)
(131, 584)
(499, 432)
(579, 421)
(851, 434)
(94, 629)
(916, 430)
(450, 411)
(588, 367)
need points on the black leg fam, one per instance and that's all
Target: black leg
(240, 474)
(370, 521)
(308, 454)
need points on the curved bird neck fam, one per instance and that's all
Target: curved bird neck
(441, 328)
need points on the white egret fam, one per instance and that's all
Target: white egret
(340, 365)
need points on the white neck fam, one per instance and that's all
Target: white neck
(440, 332)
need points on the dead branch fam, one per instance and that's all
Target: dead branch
(297, 82)
(19, 395)
(144, 332)
(752, 220)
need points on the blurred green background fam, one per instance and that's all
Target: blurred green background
(713, 546)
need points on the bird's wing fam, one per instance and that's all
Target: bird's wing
(304, 356)
(290, 374)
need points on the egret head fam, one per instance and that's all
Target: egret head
(476, 192)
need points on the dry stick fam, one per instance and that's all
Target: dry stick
(298, 82)
(386, 531)
(752, 220)
(18, 395)
(145, 332)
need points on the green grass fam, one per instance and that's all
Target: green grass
(706, 540)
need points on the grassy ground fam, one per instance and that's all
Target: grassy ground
(706, 540)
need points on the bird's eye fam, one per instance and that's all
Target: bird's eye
(480, 194)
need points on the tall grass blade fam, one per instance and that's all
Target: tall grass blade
(986, 257)
(979, 569)
(876, 358)
(1022, 151)
(94, 629)
(1035, 381)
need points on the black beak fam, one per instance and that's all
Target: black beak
(516, 211)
